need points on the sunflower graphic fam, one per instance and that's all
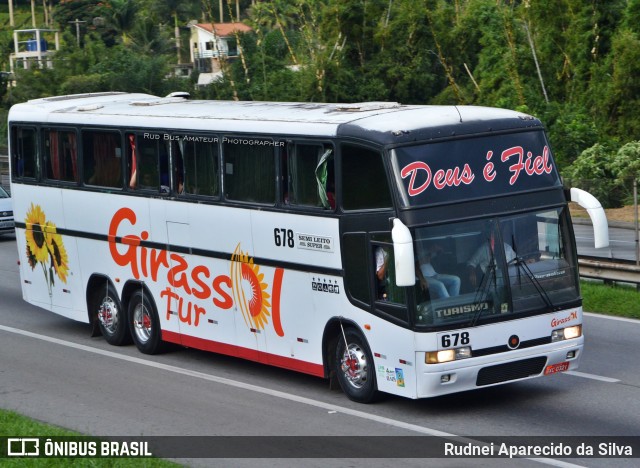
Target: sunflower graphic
(45, 247)
(249, 290)
(36, 241)
(59, 258)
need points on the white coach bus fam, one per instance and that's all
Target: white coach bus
(413, 250)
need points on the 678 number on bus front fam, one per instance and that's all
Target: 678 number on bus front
(451, 340)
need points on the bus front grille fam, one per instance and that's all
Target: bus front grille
(510, 371)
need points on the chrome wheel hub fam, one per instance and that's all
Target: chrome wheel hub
(142, 323)
(354, 366)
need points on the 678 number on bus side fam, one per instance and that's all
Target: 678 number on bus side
(283, 237)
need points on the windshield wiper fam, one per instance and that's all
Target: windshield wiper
(520, 263)
(483, 291)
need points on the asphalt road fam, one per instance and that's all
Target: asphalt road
(622, 244)
(52, 370)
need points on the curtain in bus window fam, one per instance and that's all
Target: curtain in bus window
(250, 171)
(61, 158)
(200, 167)
(102, 158)
(53, 160)
(133, 179)
(308, 176)
(69, 156)
(322, 179)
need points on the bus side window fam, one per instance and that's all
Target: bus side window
(148, 162)
(102, 158)
(24, 154)
(200, 173)
(249, 171)
(385, 275)
(364, 180)
(61, 155)
(310, 176)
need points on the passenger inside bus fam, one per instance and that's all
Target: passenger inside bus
(439, 285)
(382, 261)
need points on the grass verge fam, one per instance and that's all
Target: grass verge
(618, 300)
(15, 425)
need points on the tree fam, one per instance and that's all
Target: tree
(122, 16)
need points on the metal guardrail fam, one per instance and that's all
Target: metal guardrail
(609, 269)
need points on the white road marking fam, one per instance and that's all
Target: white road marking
(611, 317)
(592, 376)
(266, 391)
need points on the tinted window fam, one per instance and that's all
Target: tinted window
(24, 152)
(356, 266)
(148, 161)
(60, 155)
(364, 181)
(196, 165)
(102, 158)
(310, 176)
(249, 170)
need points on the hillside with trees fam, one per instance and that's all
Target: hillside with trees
(572, 63)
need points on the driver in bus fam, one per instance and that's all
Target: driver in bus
(483, 256)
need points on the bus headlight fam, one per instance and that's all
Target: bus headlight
(447, 355)
(567, 333)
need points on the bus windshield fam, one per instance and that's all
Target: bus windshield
(479, 271)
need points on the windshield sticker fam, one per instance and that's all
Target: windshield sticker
(448, 312)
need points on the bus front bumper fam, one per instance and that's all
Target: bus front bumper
(496, 369)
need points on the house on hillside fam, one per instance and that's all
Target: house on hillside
(209, 44)
(33, 48)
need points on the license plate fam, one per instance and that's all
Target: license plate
(6, 224)
(555, 368)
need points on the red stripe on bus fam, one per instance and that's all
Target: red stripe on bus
(244, 353)
(275, 306)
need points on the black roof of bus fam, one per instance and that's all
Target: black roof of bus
(424, 123)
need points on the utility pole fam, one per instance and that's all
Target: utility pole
(33, 13)
(77, 22)
(12, 23)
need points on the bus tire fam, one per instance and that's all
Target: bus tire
(354, 367)
(111, 317)
(144, 324)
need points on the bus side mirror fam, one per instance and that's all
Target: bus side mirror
(403, 254)
(596, 213)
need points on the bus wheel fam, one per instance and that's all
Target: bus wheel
(354, 367)
(112, 319)
(144, 323)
